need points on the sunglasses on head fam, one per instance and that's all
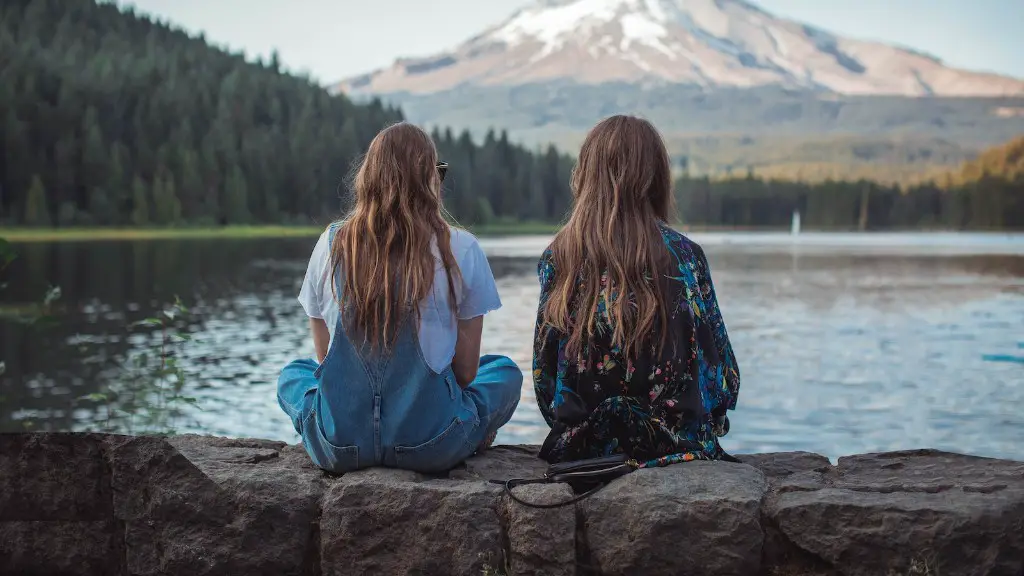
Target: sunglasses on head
(442, 169)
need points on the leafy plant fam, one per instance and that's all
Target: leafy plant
(40, 314)
(503, 568)
(146, 395)
(6, 257)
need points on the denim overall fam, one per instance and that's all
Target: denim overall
(359, 409)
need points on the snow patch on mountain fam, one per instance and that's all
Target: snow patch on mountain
(711, 43)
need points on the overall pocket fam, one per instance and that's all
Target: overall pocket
(327, 456)
(439, 454)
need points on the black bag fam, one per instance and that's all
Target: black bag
(586, 476)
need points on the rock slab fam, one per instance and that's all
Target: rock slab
(82, 504)
(904, 511)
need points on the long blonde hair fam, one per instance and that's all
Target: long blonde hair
(383, 248)
(622, 188)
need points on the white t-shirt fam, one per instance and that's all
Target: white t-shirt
(438, 328)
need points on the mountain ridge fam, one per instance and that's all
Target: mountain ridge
(897, 116)
(706, 43)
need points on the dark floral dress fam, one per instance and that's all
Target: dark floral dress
(659, 409)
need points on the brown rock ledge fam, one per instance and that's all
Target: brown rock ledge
(193, 506)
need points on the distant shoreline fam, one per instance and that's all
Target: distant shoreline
(27, 235)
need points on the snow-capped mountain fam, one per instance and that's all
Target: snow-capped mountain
(708, 43)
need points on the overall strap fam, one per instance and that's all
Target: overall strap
(332, 233)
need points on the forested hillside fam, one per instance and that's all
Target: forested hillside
(1000, 164)
(112, 119)
(791, 133)
(985, 194)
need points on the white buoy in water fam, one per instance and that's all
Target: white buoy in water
(794, 227)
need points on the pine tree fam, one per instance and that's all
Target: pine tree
(174, 205)
(140, 203)
(190, 180)
(236, 198)
(166, 205)
(37, 213)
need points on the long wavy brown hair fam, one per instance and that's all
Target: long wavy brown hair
(622, 188)
(384, 246)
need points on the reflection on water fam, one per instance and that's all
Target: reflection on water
(846, 343)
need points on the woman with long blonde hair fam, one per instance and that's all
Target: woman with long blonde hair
(396, 300)
(631, 355)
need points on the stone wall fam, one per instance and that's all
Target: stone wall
(196, 506)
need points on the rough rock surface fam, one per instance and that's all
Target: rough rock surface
(701, 518)
(874, 513)
(398, 522)
(190, 505)
(541, 541)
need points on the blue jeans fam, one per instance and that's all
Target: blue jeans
(354, 412)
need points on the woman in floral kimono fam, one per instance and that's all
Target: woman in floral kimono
(631, 354)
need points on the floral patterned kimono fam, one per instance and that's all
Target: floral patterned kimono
(659, 409)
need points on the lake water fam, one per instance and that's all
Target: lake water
(846, 342)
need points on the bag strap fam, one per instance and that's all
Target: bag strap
(726, 457)
(512, 483)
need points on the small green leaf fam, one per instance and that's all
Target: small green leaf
(95, 397)
(186, 400)
(179, 305)
(44, 321)
(148, 322)
(7, 254)
(165, 371)
(53, 294)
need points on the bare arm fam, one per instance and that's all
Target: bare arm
(321, 337)
(467, 350)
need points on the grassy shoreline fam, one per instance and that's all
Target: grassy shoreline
(25, 235)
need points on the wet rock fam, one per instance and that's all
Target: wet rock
(696, 518)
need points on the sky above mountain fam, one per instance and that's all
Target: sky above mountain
(332, 40)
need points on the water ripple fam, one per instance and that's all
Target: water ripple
(846, 344)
